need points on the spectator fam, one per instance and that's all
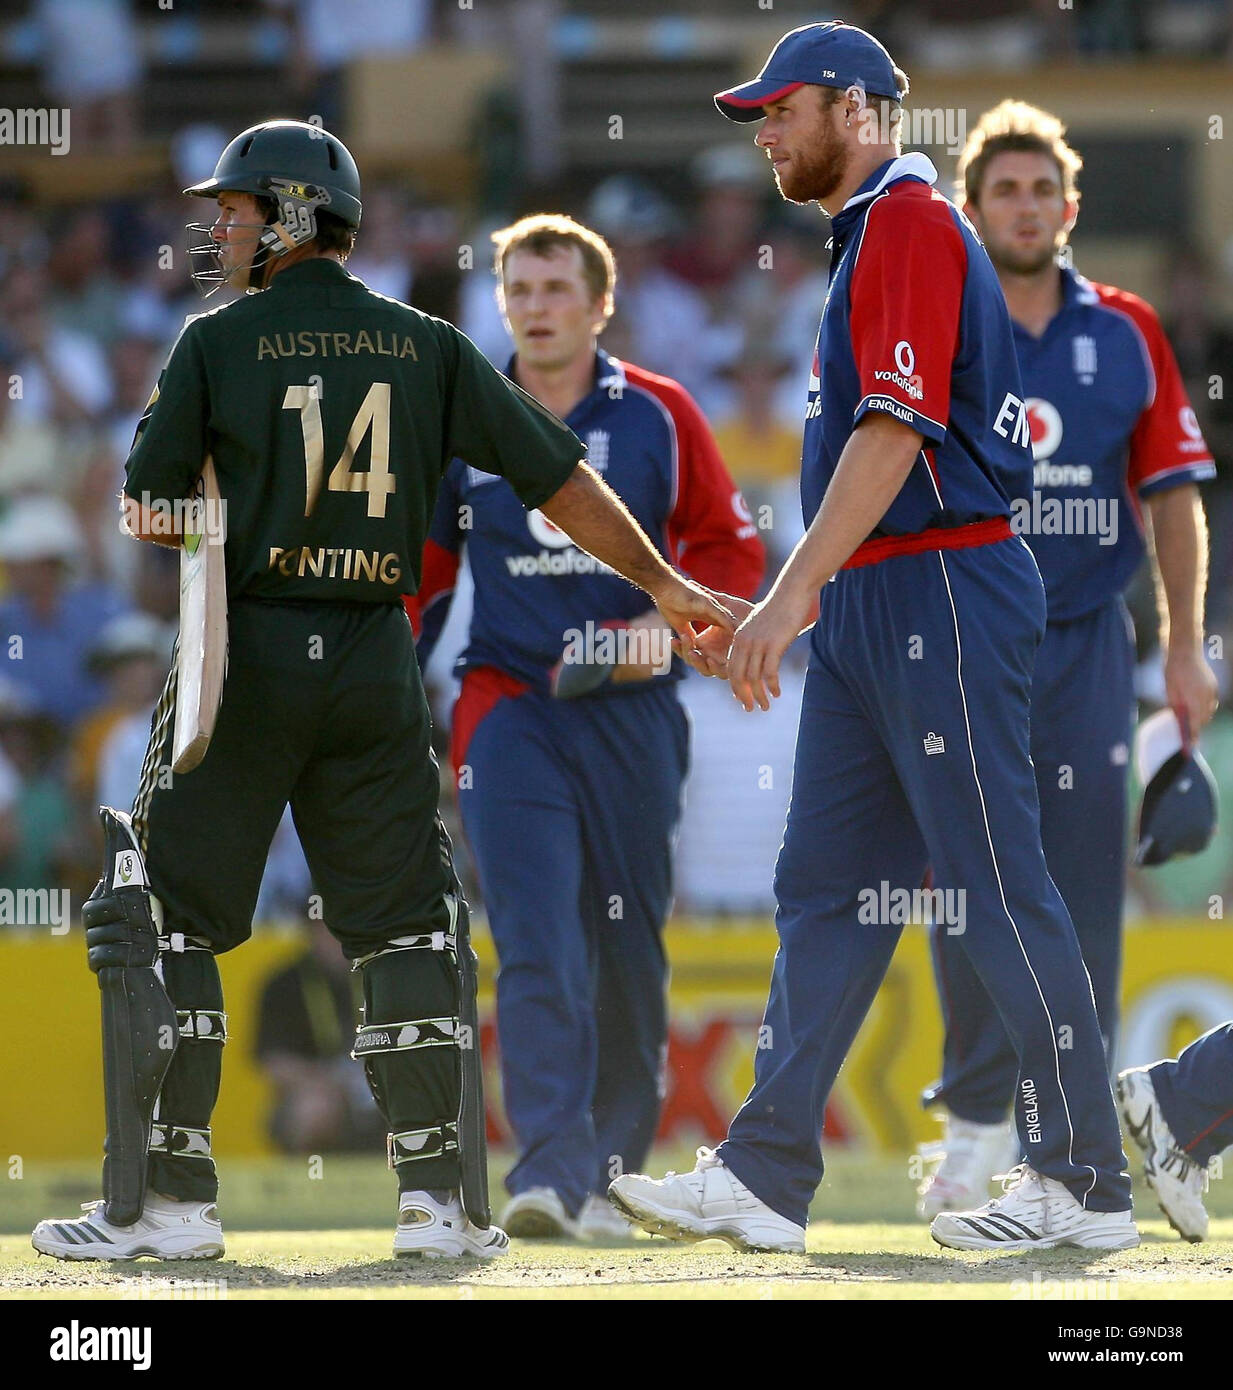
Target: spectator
(47, 622)
(780, 300)
(324, 39)
(63, 375)
(436, 286)
(306, 1022)
(83, 293)
(22, 237)
(92, 65)
(382, 255)
(29, 446)
(10, 789)
(130, 655)
(37, 846)
(135, 364)
(660, 322)
(722, 242)
(762, 447)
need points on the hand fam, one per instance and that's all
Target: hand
(760, 642)
(648, 649)
(1191, 688)
(689, 608)
(712, 645)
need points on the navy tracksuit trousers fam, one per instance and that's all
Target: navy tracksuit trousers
(1082, 712)
(913, 751)
(571, 808)
(1196, 1094)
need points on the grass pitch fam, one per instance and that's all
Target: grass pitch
(298, 1236)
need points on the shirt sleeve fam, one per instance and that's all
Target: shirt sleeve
(710, 531)
(1167, 447)
(171, 443)
(429, 606)
(495, 426)
(906, 293)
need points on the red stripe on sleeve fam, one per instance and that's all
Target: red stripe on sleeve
(1167, 439)
(710, 532)
(906, 297)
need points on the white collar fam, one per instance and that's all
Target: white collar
(917, 165)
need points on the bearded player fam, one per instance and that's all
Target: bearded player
(1116, 441)
(330, 413)
(569, 741)
(914, 733)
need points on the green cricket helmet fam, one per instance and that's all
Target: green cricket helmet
(296, 169)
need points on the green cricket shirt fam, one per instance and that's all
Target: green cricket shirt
(331, 412)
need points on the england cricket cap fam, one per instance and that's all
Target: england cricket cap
(1180, 800)
(833, 54)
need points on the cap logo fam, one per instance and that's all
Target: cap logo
(828, 72)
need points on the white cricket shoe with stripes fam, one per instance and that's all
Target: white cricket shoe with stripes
(165, 1230)
(1177, 1181)
(967, 1157)
(1034, 1213)
(433, 1225)
(709, 1202)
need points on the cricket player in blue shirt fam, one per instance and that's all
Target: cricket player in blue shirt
(1115, 445)
(569, 743)
(914, 734)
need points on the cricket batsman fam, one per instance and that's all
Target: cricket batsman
(914, 734)
(330, 413)
(569, 743)
(1113, 436)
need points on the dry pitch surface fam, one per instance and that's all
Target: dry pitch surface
(289, 1236)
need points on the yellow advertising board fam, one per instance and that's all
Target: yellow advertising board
(1178, 982)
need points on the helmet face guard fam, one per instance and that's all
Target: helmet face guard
(292, 223)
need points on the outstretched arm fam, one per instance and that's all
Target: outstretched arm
(595, 518)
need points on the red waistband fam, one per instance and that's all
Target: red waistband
(997, 528)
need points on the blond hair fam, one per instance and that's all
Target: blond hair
(545, 232)
(1016, 127)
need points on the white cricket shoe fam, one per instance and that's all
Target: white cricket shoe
(1034, 1213)
(539, 1214)
(709, 1202)
(165, 1230)
(441, 1230)
(1176, 1179)
(967, 1157)
(599, 1221)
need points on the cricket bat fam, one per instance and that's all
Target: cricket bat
(201, 663)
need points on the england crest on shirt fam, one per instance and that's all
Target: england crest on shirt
(597, 449)
(1084, 350)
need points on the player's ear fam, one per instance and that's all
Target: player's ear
(1072, 215)
(972, 213)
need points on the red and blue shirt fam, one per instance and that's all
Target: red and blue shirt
(915, 326)
(1111, 425)
(650, 442)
